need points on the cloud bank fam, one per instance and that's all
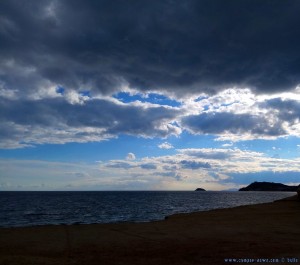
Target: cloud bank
(61, 118)
(178, 47)
(62, 63)
(186, 169)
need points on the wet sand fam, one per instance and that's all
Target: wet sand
(270, 230)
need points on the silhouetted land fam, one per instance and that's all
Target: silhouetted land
(200, 189)
(268, 186)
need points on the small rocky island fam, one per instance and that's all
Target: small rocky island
(268, 186)
(200, 189)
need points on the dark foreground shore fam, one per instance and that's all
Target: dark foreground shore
(251, 233)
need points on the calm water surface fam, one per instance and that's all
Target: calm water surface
(43, 208)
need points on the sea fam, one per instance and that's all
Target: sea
(21, 209)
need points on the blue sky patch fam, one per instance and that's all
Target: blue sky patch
(154, 98)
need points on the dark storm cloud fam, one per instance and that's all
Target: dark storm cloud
(225, 122)
(37, 121)
(180, 46)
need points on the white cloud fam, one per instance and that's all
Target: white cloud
(227, 145)
(165, 145)
(130, 156)
(7, 93)
(74, 97)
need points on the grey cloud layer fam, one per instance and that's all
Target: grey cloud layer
(214, 154)
(180, 46)
(224, 122)
(188, 164)
(56, 120)
(288, 110)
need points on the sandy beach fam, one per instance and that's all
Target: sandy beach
(247, 233)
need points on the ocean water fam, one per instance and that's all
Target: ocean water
(19, 209)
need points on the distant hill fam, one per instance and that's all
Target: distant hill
(268, 186)
(200, 189)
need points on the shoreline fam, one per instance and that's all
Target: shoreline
(161, 217)
(266, 230)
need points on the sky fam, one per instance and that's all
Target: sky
(149, 95)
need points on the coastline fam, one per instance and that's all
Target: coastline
(268, 230)
(51, 208)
